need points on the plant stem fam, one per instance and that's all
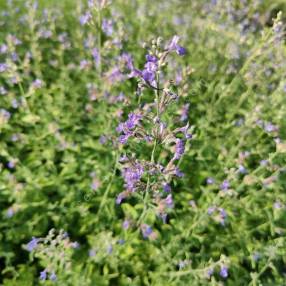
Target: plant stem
(102, 203)
(146, 195)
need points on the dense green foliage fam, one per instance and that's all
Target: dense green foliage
(59, 164)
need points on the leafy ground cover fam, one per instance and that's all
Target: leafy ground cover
(142, 142)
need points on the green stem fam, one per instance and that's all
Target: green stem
(108, 188)
(264, 268)
(146, 195)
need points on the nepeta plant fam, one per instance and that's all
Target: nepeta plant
(55, 251)
(148, 125)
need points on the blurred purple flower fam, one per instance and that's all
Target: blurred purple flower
(10, 212)
(32, 244)
(3, 91)
(179, 149)
(169, 201)
(3, 67)
(132, 176)
(166, 188)
(109, 249)
(184, 112)
(210, 272)
(43, 275)
(107, 27)
(174, 46)
(91, 253)
(242, 169)
(120, 197)
(146, 230)
(37, 83)
(53, 276)
(225, 185)
(5, 114)
(223, 271)
(126, 224)
(85, 18)
(96, 56)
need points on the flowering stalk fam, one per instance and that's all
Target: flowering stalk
(145, 124)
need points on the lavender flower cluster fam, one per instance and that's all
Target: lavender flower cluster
(146, 125)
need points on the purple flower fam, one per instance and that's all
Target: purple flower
(14, 103)
(164, 217)
(174, 42)
(4, 113)
(223, 215)
(109, 249)
(103, 139)
(210, 181)
(256, 256)
(75, 245)
(3, 67)
(151, 59)
(223, 271)
(37, 83)
(91, 253)
(133, 120)
(179, 173)
(10, 212)
(96, 56)
(3, 49)
(43, 275)
(184, 112)
(192, 203)
(120, 197)
(3, 91)
(132, 176)
(123, 138)
(126, 224)
(173, 46)
(225, 185)
(179, 149)
(32, 244)
(85, 18)
(53, 276)
(95, 184)
(11, 164)
(150, 68)
(166, 188)
(211, 210)
(169, 201)
(181, 51)
(115, 75)
(121, 241)
(146, 230)
(128, 61)
(277, 205)
(210, 272)
(242, 169)
(90, 3)
(127, 127)
(263, 162)
(185, 131)
(148, 76)
(84, 64)
(269, 127)
(107, 27)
